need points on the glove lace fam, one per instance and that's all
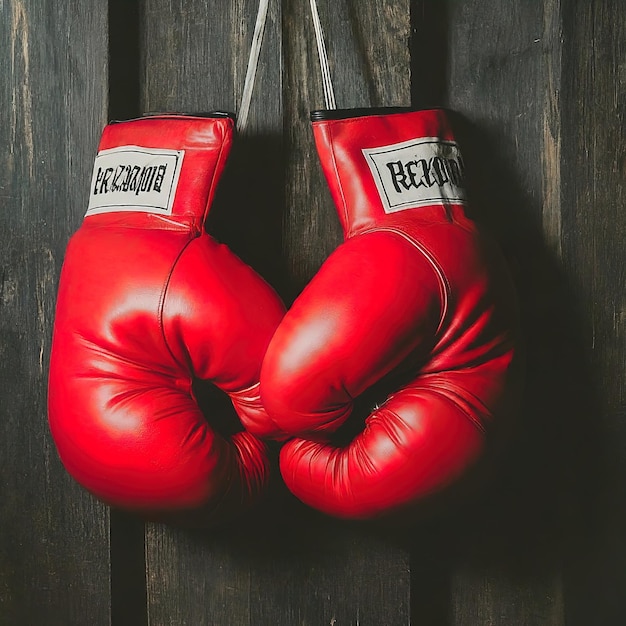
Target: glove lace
(253, 64)
(327, 83)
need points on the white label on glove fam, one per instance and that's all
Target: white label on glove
(417, 173)
(132, 178)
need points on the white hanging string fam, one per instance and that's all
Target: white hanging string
(253, 64)
(329, 93)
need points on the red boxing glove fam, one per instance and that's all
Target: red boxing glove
(148, 303)
(414, 288)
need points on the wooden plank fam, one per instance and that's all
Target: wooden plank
(311, 230)
(314, 570)
(594, 251)
(504, 74)
(54, 556)
(429, 53)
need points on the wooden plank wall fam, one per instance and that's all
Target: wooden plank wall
(594, 252)
(54, 546)
(539, 89)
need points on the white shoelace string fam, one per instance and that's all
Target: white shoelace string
(329, 93)
(253, 64)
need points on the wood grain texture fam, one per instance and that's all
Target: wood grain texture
(319, 571)
(54, 563)
(540, 89)
(594, 251)
(311, 229)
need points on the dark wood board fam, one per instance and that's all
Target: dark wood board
(54, 552)
(594, 249)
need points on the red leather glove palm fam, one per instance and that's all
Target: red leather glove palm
(148, 303)
(415, 286)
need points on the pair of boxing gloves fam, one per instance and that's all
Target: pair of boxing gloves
(148, 303)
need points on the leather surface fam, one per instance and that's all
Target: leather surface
(148, 304)
(417, 292)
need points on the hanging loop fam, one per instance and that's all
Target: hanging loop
(327, 83)
(253, 64)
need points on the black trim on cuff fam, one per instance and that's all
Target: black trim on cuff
(341, 114)
(168, 114)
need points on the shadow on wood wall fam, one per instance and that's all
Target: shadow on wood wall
(541, 502)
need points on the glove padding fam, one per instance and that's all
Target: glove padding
(148, 304)
(415, 289)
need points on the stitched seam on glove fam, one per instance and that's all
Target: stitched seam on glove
(248, 395)
(163, 297)
(452, 396)
(217, 170)
(444, 285)
(344, 206)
